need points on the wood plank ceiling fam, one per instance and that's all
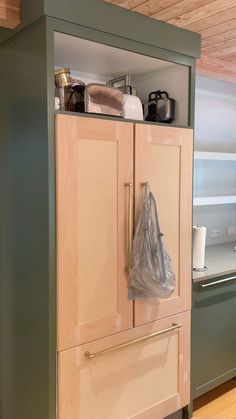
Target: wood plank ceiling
(9, 13)
(215, 20)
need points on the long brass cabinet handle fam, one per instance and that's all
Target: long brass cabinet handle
(174, 326)
(221, 281)
(129, 227)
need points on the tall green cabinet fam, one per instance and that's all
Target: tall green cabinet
(28, 217)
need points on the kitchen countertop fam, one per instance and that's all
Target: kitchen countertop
(220, 260)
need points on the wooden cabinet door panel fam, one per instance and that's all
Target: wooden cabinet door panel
(94, 161)
(164, 159)
(145, 380)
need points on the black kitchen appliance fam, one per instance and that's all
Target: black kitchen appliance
(77, 99)
(161, 108)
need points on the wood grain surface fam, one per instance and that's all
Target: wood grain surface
(94, 161)
(219, 403)
(9, 13)
(215, 20)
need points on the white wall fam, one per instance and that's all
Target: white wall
(215, 122)
(215, 130)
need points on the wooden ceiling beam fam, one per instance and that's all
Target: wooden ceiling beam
(150, 7)
(226, 51)
(218, 29)
(205, 12)
(215, 68)
(218, 39)
(127, 4)
(220, 46)
(9, 13)
(230, 58)
(213, 20)
(182, 8)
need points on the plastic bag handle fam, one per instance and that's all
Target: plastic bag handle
(146, 185)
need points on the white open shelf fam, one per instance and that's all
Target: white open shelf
(93, 62)
(214, 200)
(208, 155)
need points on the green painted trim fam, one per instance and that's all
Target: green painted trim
(117, 41)
(192, 84)
(27, 240)
(111, 19)
(134, 46)
(123, 23)
(31, 11)
(137, 42)
(52, 224)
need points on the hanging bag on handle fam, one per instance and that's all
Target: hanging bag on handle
(152, 273)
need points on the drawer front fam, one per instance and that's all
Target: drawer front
(145, 379)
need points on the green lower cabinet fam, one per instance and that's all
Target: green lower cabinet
(213, 334)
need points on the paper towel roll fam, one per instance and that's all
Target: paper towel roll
(199, 243)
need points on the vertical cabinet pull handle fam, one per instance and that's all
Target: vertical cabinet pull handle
(129, 227)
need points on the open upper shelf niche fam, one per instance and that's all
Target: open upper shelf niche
(94, 62)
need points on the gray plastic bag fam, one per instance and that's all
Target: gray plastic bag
(152, 273)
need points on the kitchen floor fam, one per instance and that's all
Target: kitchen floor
(219, 403)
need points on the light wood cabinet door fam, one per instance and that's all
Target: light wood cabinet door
(94, 160)
(145, 380)
(163, 157)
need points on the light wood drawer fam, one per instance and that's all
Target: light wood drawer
(147, 379)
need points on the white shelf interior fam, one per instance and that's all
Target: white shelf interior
(214, 175)
(214, 200)
(208, 155)
(93, 62)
